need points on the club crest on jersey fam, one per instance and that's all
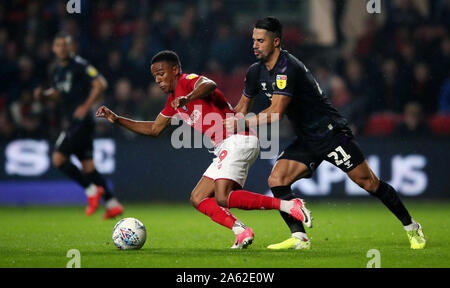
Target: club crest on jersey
(281, 81)
(91, 71)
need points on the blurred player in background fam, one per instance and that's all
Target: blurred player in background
(196, 99)
(322, 133)
(77, 85)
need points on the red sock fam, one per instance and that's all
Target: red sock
(251, 201)
(218, 214)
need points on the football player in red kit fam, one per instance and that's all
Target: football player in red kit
(201, 105)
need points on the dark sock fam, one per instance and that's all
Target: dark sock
(74, 173)
(98, 179)
(285, 193)
(387, 194)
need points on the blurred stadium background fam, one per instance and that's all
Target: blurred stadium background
(388, 73)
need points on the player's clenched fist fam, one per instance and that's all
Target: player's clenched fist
(104, 112)
(179, 102)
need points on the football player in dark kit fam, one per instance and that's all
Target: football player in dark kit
(322, 133)
(77, 85)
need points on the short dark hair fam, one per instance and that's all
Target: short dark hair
(270, 24)
(64, 35)
(167, 56)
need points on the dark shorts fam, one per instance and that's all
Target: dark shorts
(341, 150)
(77, 140)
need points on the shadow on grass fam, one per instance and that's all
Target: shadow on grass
(254, 253)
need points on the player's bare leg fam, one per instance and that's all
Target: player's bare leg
(93, 192)
(58, 159)
(366, 179)
(202, 198)
(284, 173)
(112, 205)
(203, 190)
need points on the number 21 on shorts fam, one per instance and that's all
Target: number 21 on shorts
(343, 158)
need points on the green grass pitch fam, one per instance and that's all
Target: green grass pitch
(179, 236)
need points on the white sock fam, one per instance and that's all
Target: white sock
(111, 203)
(300, 235)
(91, 190)
(286, 206)
(238, 227)
(412, 226)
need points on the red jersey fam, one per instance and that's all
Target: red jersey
(205, 115)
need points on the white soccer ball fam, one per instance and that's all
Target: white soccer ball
(129, 233)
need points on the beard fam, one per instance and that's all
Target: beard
(264, 58)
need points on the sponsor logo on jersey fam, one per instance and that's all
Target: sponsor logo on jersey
(281, 81)
(194, 117)
(191, 76)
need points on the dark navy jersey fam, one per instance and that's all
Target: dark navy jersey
(74, 82)
(310, 111)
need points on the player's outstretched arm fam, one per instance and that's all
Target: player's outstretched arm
(148, 128)
(99, 85)
(202, 88)
(272, 114)
(244, 105)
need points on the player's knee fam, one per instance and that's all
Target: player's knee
(373, 185)
(370, 184)
(88, 167)
(195, 200)
(275, 181)
(222, 200)
(222, 189)
(58, 160)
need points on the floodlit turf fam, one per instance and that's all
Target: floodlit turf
(179, 236)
